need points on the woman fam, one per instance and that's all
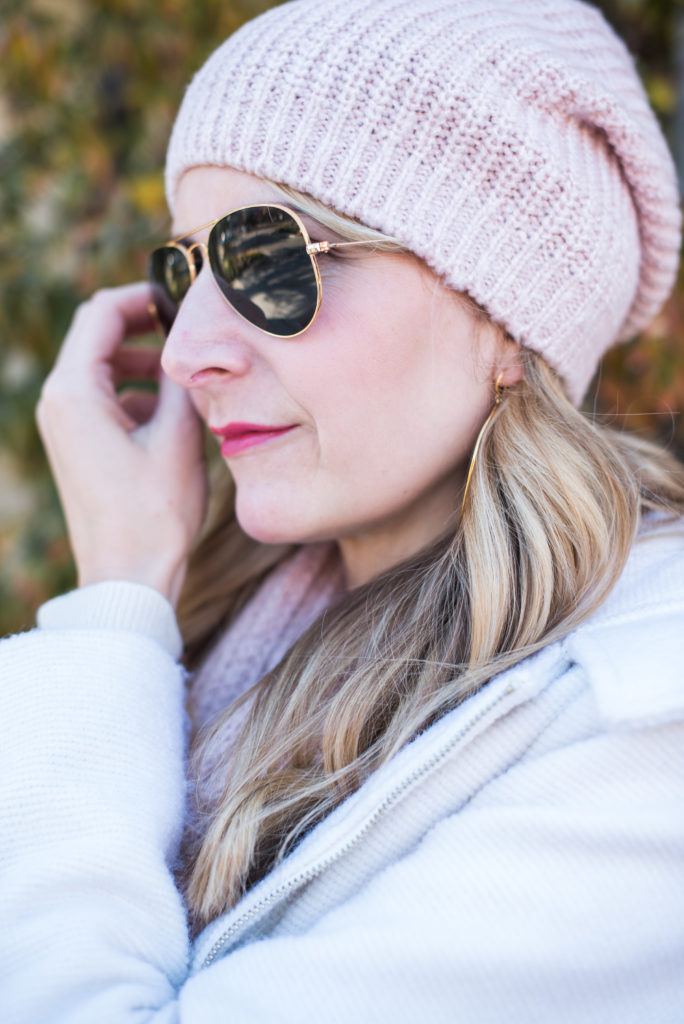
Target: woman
(432, 632)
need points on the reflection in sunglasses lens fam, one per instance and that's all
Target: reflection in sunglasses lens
(164, 308)
(169, 268)
(259, 259)
(169, 273)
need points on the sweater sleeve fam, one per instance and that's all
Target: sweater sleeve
(554, 893)
(92, 790)
(116, 606)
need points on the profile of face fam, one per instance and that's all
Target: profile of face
(385, 393)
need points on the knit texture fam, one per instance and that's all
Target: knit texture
(518, 860)
(288, 602)
(509, 144)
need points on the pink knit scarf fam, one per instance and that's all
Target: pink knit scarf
(287, 603)
(289, 600)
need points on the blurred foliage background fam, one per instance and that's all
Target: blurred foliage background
(88, 93)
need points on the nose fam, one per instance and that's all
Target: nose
(206, 343)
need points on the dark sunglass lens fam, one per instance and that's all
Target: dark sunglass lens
(259, 259)
(169, 274)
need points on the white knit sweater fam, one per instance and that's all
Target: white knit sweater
(522, 859)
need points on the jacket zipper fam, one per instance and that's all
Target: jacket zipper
(306, 876)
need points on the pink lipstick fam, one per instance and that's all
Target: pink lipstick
(238, 437)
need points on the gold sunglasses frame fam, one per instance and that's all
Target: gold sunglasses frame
(313, 249)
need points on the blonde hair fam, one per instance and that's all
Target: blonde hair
(551, 513)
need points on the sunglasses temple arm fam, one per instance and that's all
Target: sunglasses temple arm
(319, 247)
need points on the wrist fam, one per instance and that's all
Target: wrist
(166, 579)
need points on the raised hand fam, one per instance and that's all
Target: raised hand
(129, 469)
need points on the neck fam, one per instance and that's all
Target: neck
(368, 553)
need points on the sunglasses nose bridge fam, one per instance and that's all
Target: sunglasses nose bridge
(198, 258)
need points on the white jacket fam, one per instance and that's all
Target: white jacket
(521, 860)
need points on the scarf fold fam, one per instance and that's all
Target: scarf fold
(289, 600)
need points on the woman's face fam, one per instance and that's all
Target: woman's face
(385, 394)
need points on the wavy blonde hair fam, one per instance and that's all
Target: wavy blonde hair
(551, 513)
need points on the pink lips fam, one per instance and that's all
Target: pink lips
(238, 437)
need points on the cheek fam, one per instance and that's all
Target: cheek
(362, 406)
(401, 404)
(357, 382)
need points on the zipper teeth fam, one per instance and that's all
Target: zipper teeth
(391, 798)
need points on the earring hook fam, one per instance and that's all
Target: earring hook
(499, 390)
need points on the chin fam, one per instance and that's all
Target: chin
(268, 535)
(273, 527)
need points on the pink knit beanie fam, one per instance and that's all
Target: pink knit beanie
(509, 143)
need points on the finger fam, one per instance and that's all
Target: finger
(101, 324)
(175, 411)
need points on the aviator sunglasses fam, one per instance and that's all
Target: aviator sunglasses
(263, 262)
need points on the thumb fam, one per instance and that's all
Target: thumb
(175, 411)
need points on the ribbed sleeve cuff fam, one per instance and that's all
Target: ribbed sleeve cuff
(115, 605)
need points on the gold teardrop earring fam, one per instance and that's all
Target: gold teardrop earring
(498, 397)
